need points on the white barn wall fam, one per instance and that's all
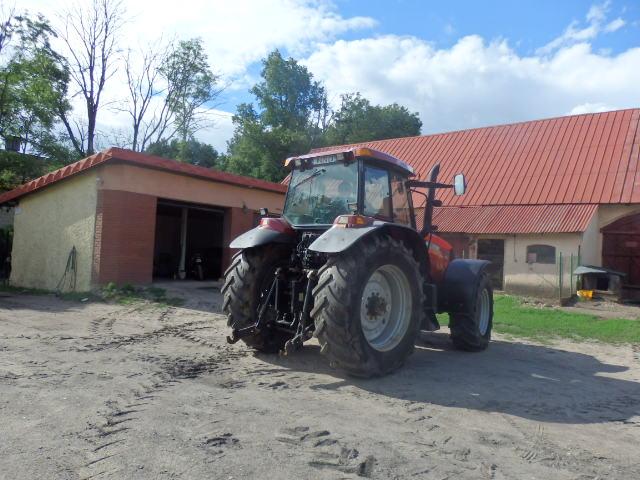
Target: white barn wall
(536, 279)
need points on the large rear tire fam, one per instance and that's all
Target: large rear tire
(368, 307)
(246, 284)
(471, 331)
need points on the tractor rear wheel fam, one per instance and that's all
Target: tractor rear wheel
(368, 307)
(471, 331)
(246, 285)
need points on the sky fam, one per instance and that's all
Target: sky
(459, 64)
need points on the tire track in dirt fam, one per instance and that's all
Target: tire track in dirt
(537, 447)
(323, 451)
(103, 325)
(108, 436)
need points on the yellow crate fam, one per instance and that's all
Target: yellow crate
(588, 294)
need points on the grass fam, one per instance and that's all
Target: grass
(122, 294)
(545, 323)
(128, 294)
(24, 291)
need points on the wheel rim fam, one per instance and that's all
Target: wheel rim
(485, 312)
(385, 308)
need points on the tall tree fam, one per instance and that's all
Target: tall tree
(292, 111)
(142, 70)
(358, 121)
(90, 33)
(192, 151)
(190, 85)
(33, 88)
(170, 90)
(288, 96)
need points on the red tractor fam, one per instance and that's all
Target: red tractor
(347, 264)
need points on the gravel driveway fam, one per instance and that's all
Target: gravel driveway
(91, 390)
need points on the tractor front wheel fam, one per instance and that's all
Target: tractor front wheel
(471, 331)
(368, 307)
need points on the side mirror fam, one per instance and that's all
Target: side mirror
(459, 184)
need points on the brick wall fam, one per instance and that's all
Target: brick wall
(236, 222)
(124, 237)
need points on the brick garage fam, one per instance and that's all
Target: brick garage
(106, 208)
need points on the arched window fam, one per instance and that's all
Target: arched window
(541, 254)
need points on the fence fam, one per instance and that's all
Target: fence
(567, 281)
(553, 280)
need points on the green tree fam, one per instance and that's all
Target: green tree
(33, 90)
(33, 86)
(359, 121)
(288, 96)
(192, 151)
(291, 113)
(190, 85)
(169, 91)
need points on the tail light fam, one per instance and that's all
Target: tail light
(353, 221)
(277, 224)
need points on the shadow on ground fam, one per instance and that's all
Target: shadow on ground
(530, 381)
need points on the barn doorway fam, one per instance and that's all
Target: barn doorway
(492, 249)
(621, 247)
(188, 241)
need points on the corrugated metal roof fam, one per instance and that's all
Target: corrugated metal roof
(514, 218)
(143, 160)
(586, 159)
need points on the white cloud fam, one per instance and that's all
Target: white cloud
(475, 83)
(591, 108)
(614, 25)
(220, 132)
(596, 23)
(597, 13)
(236, 34)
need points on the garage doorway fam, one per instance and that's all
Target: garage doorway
(188, 241)
(492, 249)
(621, 247)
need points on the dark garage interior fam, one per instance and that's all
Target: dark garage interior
(200, 228)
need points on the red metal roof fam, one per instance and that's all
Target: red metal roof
(578, 159)
(143, 160)
(514, 218)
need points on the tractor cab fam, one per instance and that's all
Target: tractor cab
(360, 181)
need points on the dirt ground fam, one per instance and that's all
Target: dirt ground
(91, 390)
(605, 309)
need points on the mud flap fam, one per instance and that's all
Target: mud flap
(430, 322)
(459, 289)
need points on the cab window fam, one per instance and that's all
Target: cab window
(401, 212)
(377, 198)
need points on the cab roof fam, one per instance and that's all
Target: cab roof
(357, 152)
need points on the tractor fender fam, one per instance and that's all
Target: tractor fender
(261, 236)
(339, 239)
(459, 289)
